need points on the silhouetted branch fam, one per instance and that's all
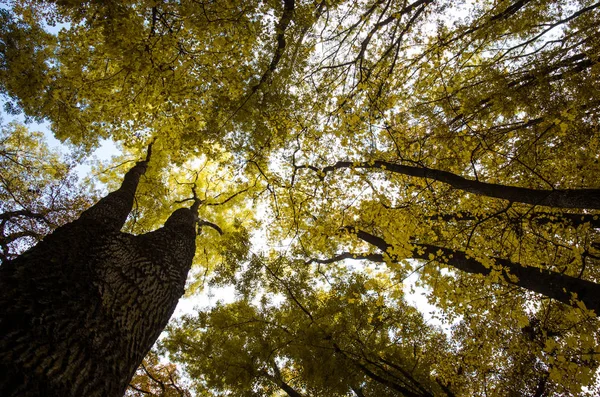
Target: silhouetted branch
(210, 224)
(554, 285)
(560, 198)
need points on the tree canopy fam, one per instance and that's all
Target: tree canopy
(38, 190)
(344, 153)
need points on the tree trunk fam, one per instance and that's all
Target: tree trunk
(80, 310)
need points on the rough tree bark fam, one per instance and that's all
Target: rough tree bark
(80, 310)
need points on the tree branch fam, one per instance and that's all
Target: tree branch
(541, 218)
(563, 288)
(348, 255)
(139, 390)
(386, 382)
(284, 21)
(230, 197)
(12, 214)
(559, 198)
(210, 224)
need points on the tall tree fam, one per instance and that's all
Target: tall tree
(458, 139)
(81, 309)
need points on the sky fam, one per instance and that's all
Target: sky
(106, 150)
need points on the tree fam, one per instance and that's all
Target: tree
(353, 335)
(81, 309)
(37, 190)
(24, 51)
(460, 165)
(451, 143)
(156, 379)
(353, 330)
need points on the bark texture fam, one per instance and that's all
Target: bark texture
(80, 310)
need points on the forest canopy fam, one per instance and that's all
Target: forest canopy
(345, 154)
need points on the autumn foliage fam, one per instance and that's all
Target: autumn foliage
(348, 155)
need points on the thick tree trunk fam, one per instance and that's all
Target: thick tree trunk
(80, 310)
